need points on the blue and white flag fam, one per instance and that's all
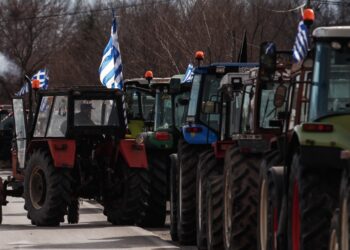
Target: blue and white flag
(189, 74)
(301, 44)
(111, 67)
(43, 77)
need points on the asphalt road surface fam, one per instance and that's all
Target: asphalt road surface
(92, 232)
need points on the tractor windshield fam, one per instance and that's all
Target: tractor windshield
(139, 105)
(163, 111)
(268, 111)
(95, 113)
(208, 92)
(181, 108)
(330, 92)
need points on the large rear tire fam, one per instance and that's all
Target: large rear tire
(128, 205)
(344, 210)
(270, 199)
(208, 166)
(156, 210)
(240, 200)
(173, 197)
(47, 190)
(313, 196)
(1, 199)
(73, 211)
(214, 213)
(188, 159)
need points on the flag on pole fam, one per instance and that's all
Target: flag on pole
(43, 77)
(301, 44)
(189, 74)
(111, 67)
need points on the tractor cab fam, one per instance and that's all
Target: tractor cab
(203, 119)
(76, 148)
(139, 102)
(330, 92)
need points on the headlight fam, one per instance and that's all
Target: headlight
(140, 139)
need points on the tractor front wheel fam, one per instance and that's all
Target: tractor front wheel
(241, 200)
(47, 190)
(128, 204)
(173, 197)
(313, 196)
(73, 211)
(156, 210)
(208, 166)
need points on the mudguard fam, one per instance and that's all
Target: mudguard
(205, 136)
(62, 151)
(134, 154)
(2, 192)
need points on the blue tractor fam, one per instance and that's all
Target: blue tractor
(201, 129)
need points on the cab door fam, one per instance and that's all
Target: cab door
(21, 131)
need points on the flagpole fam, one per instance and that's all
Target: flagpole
(30, 104)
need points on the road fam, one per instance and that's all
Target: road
(92, 232)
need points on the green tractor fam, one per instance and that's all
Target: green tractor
(312, 164)
(161, 141)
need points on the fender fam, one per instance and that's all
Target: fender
(2, 193)
(62, 151)
(134, 154)
(203, 136)
(220, 148)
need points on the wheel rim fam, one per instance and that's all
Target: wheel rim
(180, 192)
(200, 207)
(37, 188)
(333, 243)
(263, 216)
(275, 227)
(209, 227)
(344, 226)
(228, 209)
(296, 218)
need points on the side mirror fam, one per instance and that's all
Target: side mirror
(268, 54)
(210, 107)
(183, 101)
(280, 96)
(237, 84)
(175, 85)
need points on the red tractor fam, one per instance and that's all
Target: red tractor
(75, 148)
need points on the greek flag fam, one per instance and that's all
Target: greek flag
(42, 75)
(301, 44)
(189, 74)
(111, 67)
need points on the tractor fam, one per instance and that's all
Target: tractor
(311, 182)
(161, 141)
(199, 132)
(75, 147)
(253, 125)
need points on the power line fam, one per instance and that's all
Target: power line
(86, 11)
(275, 10)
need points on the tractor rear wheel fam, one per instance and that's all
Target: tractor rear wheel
(73, 211)
(208, 166)
(128, 205)
(313, 196)
(1, 199)
(156, 210)
(344, 210)
(334, 243)
(241, 190)
(214, 212)
(188, 159)
(270, 199)
(173, 197)
(47, 190)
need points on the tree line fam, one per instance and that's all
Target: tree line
(68, 37)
